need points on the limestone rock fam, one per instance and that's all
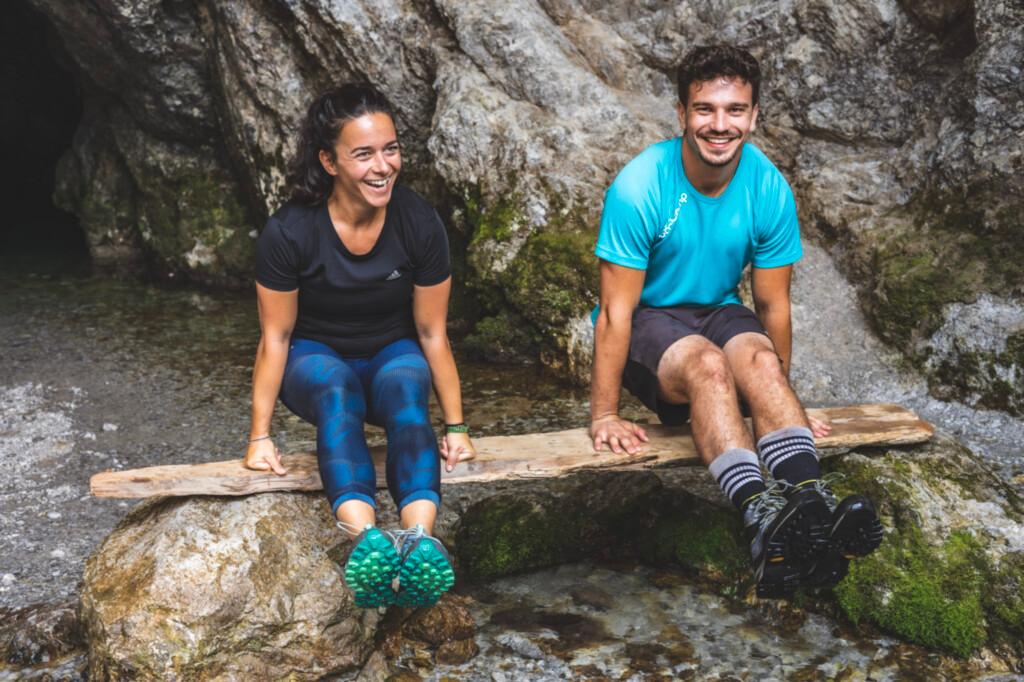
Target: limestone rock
(245, 588)
(899, 123)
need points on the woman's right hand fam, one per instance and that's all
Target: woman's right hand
(263, 455)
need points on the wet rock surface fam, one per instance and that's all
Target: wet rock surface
(898, 123)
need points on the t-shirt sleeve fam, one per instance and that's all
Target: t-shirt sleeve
(432, 263)
(277, 258)
(778, 232)
(625, 236)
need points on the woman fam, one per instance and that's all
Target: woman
(353, 279)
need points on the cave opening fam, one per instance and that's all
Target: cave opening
(40, 107)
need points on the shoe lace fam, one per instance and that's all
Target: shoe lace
(767, 504)
(352, 529)
(406, 536)
(824, 487)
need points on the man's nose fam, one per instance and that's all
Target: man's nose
(720, 120)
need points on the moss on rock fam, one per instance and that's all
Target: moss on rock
(938, 578)
(921, 593)
(952, 249)
(705, 541)
(509, 534)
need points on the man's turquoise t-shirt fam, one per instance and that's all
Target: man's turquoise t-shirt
(694, 247)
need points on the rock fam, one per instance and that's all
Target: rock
(520, 645)
(457, 651)
(593, 597)
(899, 124)
(244, 587)
(40, 634)
(447, 621)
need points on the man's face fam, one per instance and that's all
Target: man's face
(718, 117)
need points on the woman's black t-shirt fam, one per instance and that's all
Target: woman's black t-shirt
(354, 304)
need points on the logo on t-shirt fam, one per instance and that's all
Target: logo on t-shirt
(393, 276)
(675, 216)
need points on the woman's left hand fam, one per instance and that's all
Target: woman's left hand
(455, 448)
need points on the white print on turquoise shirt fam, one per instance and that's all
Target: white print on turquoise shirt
(675, 216)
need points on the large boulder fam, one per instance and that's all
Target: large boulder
(234, 588)
(899, 124)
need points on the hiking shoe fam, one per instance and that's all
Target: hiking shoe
(371, 568)
(426, 572)
(855, 532)
(788, 530)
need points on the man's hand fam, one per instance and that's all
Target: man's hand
(819, 428)
(618, 433)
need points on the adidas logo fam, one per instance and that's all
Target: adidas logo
(393, 276)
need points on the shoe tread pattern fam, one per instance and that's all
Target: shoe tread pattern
(425, 575)
(371, 569)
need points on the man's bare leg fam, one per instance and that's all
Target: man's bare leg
(758, 374)
(696, 371)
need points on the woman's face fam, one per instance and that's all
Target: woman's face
(366, 160)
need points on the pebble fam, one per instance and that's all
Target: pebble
(520, 645)
(53, 515)
(107, 426)
(8, 579)
(89, 435)
(58, 554)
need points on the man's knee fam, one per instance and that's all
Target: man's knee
(766, 365)
(702, 366)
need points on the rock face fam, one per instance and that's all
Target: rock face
(899, 124)
(250, 587)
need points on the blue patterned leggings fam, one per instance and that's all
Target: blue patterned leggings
(338, 395)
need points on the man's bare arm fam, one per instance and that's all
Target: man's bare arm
(620, 293)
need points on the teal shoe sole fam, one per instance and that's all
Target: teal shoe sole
(371, 568)
(425, 575)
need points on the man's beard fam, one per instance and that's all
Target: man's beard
(716, 162)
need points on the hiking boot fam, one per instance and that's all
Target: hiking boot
(371, 568)
(426, 572)
(783, 533)
(855, 532)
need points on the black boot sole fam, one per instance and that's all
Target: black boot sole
(799, 536)
(856, 532)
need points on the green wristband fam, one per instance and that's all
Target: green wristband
(456, 428)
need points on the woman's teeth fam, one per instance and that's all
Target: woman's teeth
(379, 184)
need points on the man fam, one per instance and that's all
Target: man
(680, 223)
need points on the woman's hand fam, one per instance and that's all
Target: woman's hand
(263, 455)
(455, 448)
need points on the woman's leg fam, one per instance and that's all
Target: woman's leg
(400, 393)
(322, 388)
(399, 387)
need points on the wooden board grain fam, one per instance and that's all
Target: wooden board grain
(534, 455)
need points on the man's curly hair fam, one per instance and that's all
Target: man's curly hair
(709, 62)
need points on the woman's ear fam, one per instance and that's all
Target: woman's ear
(327, 162)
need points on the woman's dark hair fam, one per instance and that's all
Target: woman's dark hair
(310, 183)
(716, 61)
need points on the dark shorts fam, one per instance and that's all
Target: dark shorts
(655, 329)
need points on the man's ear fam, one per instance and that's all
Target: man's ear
(753, 119)
(328, 163)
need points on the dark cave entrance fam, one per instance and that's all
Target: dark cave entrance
(40, 106)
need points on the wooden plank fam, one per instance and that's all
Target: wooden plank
(534, 455)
